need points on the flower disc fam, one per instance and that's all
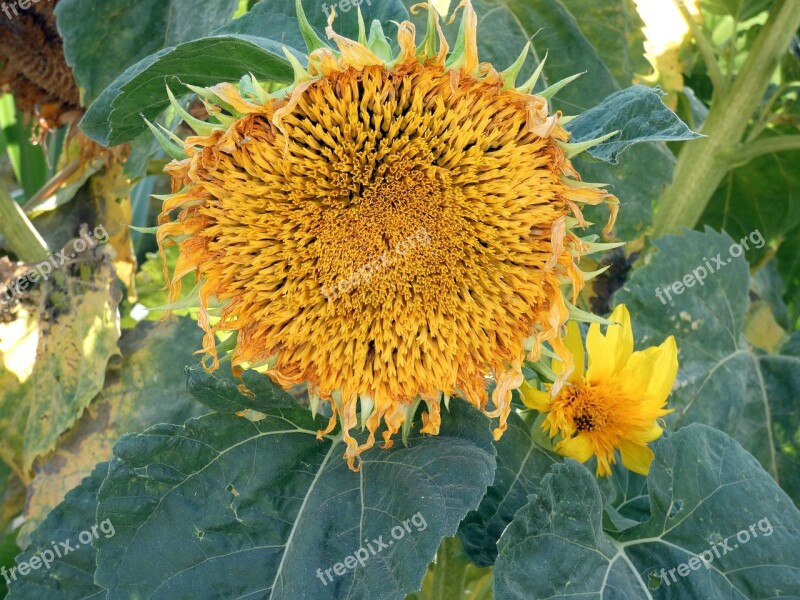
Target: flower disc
(384, 232)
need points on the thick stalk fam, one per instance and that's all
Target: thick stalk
(450, 571)
(703, 163)
(21, 237)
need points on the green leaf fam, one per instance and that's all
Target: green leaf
(782, 385)
(637, 113)
(8, 550)
(740, 9)
(763, 195)
(71, 359)
(768, 285)
(70, 576)
(277, 19)
(262, 508)
(615, 30)
(721, 380)
(27, 159)
(703, 489)
(521, 464)
(627, 502)
(102, 39)
(638, 180)
(116, 116)
(505, 27)
(148, 388)
(151, 288)
(224, 394)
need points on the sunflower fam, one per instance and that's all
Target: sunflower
(388, 230)
(616, 404)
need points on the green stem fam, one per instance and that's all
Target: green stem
(768, 145)
(705, 48)
(450, 571)
(20, 235)
(703, 163)
(763, 120)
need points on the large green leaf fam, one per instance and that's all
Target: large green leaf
(277, 20)
(615, 30)
(505, 27)
(782, 384)
(116, 116)
(69, 370)
(257, 506)
(637, 113)
(70, 574)
(148, 388)
(521, 464)
(763, 195)
(102, 39)
(708, 498)
(721, 381)
(627, 502)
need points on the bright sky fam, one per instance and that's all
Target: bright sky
(664, 25)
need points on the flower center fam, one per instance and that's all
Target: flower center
(393, 234)
(588, 408)
(392, 231)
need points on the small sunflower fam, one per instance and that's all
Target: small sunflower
(616, 404)
(388, 230)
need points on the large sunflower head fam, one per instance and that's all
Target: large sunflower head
(389, 229)
(616, 404)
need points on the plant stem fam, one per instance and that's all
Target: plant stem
(450, 571)
(762, 121)
(766, 145)
(51, 186)
(21, 237)
(703, 163)
(705, 48)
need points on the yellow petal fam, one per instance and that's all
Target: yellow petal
(636, 458)
(533, 398)
(574, 344)
(580, 448)
(653, 433)
(651, 372)
(665, 371)
(601, 356)
(637, 373)
(608, 354)
(620, 337)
